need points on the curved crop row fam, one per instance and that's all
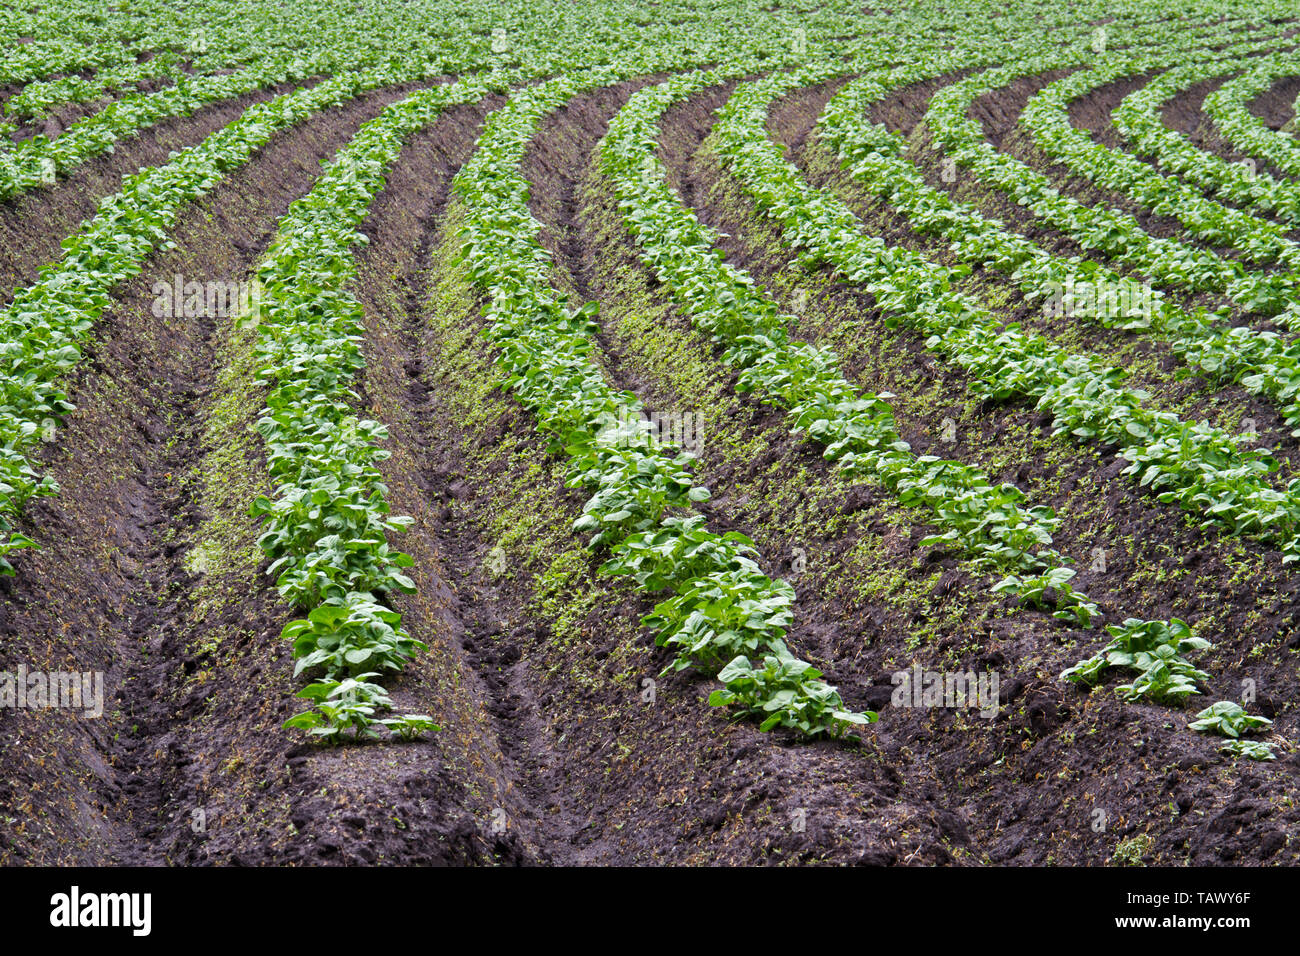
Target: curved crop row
(1200, 468)
(724, 610)
(990, 524)
(43, 328)
(1117, 234)
(1138, 120)
(1262, 361)
(325, 528)
(1226, 106)
(1046, 117)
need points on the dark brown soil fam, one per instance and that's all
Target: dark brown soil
(904, 112)
(550, 749)
(1093, 112)
(999, 113)
(1157, 367)
(61, 117)
(1276, 105)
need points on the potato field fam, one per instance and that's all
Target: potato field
(669, 432)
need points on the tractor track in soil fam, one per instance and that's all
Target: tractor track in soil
(456, 601)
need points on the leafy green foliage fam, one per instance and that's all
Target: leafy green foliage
(784, 692)
(351, 704)
(326, 528)
(1154, 649)
(989, 523)
(1261, 361)
(723, 606)
(1227, 718)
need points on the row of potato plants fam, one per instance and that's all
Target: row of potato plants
(154, 44)
(325, 528)
(725, 616)
(37, 161)
(1201, 468)
(1153, 650)
(989, 524)
(1098, 227)
(906, 287)
(1046, 118)
(1227, 107)
(1138, 120)
(44, 327)
(1261, 361)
